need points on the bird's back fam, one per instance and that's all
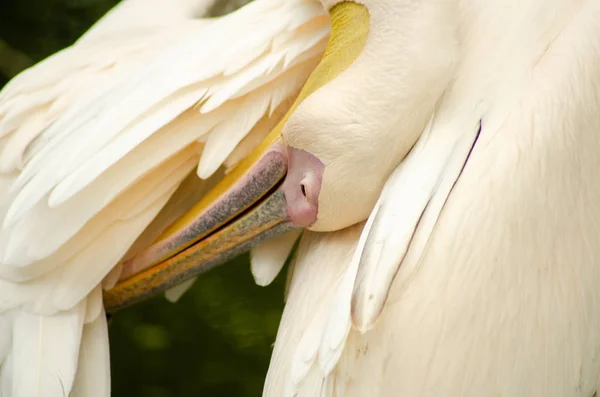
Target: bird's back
(497, 293)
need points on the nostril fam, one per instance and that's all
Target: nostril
(308, 188)
(302, 186)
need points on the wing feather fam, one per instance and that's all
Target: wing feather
(94, 305)
(60, 279)
(258, 133)
(5, 336)
(45, 352)
(152, 121)
(175, 293)
(126, 14)
(267, 259)
(47, 90)
(95, 140)
(71, 164)
(61, 223)
(225, 136)
(321, 262)
(93, 368)
(406, 214)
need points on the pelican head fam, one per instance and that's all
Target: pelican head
(322, 167)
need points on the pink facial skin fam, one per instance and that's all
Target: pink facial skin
(302, 186)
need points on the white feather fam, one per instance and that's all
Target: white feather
(497, 292)
(70, 218)
(306, 351)
(126, 15)
(90, 125)
(175, 293)
(45, 352)
(93, 368)
(83, 172)
(117, 227)
(89, 169)
(5, 335)
(225, 136)
(268, 258)
(258, 133)
(339, 318)
(6, 375)
(41, 95)
(403, 212)
(149, 153)
(94, 305)
(320, 264)
(156, 118)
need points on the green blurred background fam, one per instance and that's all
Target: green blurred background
(217, 340)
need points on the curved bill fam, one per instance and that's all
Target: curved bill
(248, 205)
(245, 209)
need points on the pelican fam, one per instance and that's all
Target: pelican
(440, 158)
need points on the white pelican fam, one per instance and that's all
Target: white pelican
(475, 273)
(104, 120)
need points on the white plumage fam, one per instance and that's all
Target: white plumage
(475, 273)
(95, 140)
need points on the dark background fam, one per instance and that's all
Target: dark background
(218, 339)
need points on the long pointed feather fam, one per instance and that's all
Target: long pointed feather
(429, 171)
(45, 351)
(320, 265)
(175, 293)
(267, 260)
(93, 369)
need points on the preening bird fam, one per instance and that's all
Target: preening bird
(440, 158)
(97, 138)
